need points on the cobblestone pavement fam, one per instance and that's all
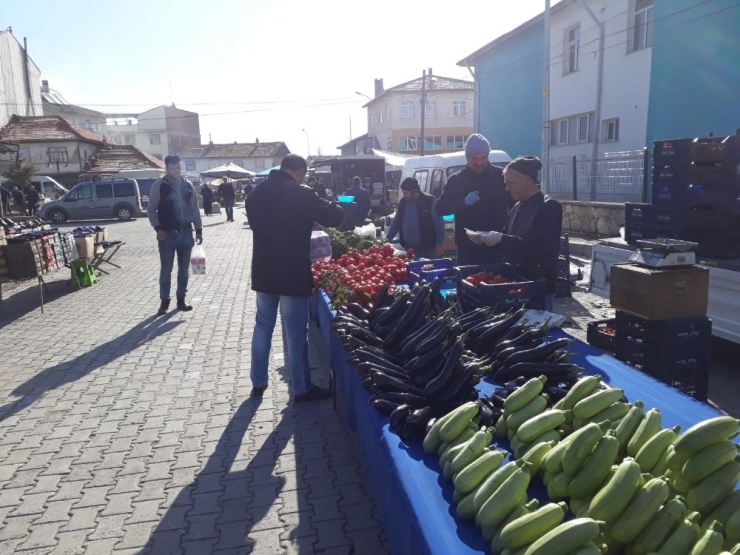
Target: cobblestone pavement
(125, 433)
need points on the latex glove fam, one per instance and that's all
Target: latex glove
(490, 238)
(472, 198)
(474, 236)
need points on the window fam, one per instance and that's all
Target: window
(458, 108)
(430, 109)
(239, 163)
(390, 144)
(436, 185)
(189, 165)
(155, 139)
(408, 143)
(433, 142)
(380, 116)
(124, 189)
(573, 129)
(407, 109)
(83, 192)
(24, 154)
(91, 126)
(372, 119)
(57, 154)
(259, 164)
(157, 156)
(104, 190)
(573, 45)
(643, 31)
(387, 112)
(422, 176)
(213, 164)
(611, 130)
(129, 140)
(456, 142)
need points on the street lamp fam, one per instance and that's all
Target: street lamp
(366, 96)
(308, 142)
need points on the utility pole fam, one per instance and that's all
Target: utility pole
(545, 181)
(423, 109)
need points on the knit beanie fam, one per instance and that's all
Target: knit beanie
(526, 165)
(410, 184)
(477, 144)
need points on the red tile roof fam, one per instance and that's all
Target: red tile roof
(235, 150)
(26, 129)
(110, 159)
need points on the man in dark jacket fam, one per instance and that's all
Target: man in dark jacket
(281, 214)
(226, 193)
(360, 206)
(478, 199)
(32, 198)
(317, 186)
(532, 237)
(19, 200)
(173, 212)
(419, 226)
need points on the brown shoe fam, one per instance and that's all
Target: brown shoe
(163, 307)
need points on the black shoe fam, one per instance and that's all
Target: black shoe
(163, 307)
(258, 391)
(181, 304)
(316, 393)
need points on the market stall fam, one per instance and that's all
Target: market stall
(420, 508)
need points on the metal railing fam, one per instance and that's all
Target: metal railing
(608, 177)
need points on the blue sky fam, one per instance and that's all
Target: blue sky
(253, 69)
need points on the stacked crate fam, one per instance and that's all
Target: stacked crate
(69, 247)
(4, 268)
(56, 243)
(563, 286)
(24, 260)
(48, 257)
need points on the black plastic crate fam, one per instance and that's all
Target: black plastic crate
(693, 194)
(661, 332)
(563, 267)
(502, 296)
(687, 173)
(563, 287)
(565, 246)
(678, 217)
(596, 336)
(635, 232)
(638, 213)
(672, 151)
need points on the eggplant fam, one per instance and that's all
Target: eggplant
(415, 311)
(379, 357)
(389, 383)
(464, 379)
(358, 311)
(556, 393)
(523, 339)
(433, 339)
(384, 406)
(422, 361)
(396, 310)
(538, 353)
(401, 398)
(500, 328)
(506, 353)
(448, 370)
(398, 417)
(486, 415)
(369, 385)
(367, 336)
(364, 368)
(528, 370)
(382, 297)
(409, 344)
(419, 417)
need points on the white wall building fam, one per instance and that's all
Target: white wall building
(54, 104)
(574, 73)
(19, 80)
(255, 156)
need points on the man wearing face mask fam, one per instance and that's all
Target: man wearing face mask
(419, 226)
(478, 199)
(531, 239)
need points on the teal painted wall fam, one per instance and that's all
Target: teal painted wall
(695, 81)
(510, 93)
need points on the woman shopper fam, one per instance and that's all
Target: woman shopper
(207, 195)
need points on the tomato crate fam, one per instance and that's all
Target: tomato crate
(503, 296)
(598, 337)
(428, 270)
(676, 332)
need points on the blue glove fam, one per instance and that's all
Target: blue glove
(472, 198)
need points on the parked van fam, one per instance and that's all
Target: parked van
(117, 198)
(145, 179)
(49, 188)
(432, 172)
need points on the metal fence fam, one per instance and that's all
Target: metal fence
(608, 177)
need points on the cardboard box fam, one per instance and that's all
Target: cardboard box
(449, 242)
(85, 246)
(24, 260)
(660, 294)
(102, 235)
(3, 239)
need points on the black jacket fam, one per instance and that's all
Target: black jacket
(207, 195)
(532, 238)
(488, 214)
(281, 215)
(320, 190)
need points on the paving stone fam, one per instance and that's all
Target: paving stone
(102, 546)
(93, 497)
(82, 519)
(70, 543)
(297, 525)
(145, 511)
(56, 511)
(326, 508)
(201, 527)
(16, 527)
(136, 535)
(119, 504)
(42, 536)
(299, 545)
(266, 542)
(331, 534)
(233, 535)
(11, 497)
(32, 504)
(199, 547)
(68, 490)
(266, 518)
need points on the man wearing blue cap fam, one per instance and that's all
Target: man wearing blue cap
(478, 198)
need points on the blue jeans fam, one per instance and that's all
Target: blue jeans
(182, 244)
(294, 315)
(229, 207)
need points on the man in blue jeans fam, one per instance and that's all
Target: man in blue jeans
(281, 214)
(173, 212)
(226, 192)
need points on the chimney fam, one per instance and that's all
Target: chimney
(379, 87)
(45, 86)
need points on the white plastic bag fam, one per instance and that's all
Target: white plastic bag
(366, 231)
(198, 261)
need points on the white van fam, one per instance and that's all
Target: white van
(49, 188)
(432, 172)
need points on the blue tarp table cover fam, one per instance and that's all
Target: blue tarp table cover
(415, 501)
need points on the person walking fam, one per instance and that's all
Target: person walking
(419, 226)
(5, 198)
(19, 200)
(207, 195)
(173, 212)
(281, 214)
(32, 199)
(248, 188)
(531, 239)
(226, 194)
(477, 197)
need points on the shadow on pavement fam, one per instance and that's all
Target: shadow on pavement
(69, 371)
(251, 484)
(24, 298)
